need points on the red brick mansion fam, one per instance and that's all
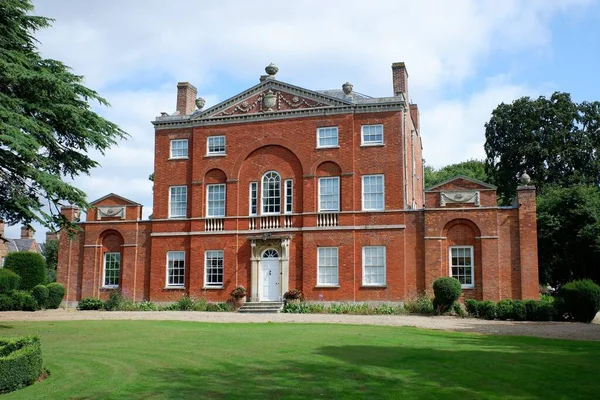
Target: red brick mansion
(281, 187)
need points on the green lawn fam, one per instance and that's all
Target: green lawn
(190, 360)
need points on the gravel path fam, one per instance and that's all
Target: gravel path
(556, 330)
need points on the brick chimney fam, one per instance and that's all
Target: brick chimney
(71, 213)
(186, 98)
(27, 232)
(400, 79)
(414, 114)
(51, 236)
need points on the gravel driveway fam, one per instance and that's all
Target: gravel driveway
(556, 330)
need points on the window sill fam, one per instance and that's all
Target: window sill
(174, 288)
(327, 286)
(327, 147)
(109, 287)
(178, 217)
(212, 287)
(363, 286)
(372, 145)
(178, 158)
(468, 287)
(216, 155)
(374, 211)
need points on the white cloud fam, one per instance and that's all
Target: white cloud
(133, 52)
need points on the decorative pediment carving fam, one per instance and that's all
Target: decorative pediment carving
(111, 212)
(462, 197)
(268, 101)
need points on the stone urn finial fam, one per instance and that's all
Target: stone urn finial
(271, 69)
(524, 179)
(200, 102)
(347, 88)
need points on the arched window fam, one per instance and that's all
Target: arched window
(270, 253)
(271, 193)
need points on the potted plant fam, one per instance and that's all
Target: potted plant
(293, 296)
(239, 296)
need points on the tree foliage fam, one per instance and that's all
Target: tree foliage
(471, 168)
(51, 254)
(556, 141)
(47, 125)
(569, 234)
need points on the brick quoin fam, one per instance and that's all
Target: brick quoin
(274, 126)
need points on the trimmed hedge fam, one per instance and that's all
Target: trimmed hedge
(40, 294)
(9, 280)
(446, 291)
(90, 303)
(56, 292)
(20, 362)
(31, 267)
(516, 310)
(581, 299)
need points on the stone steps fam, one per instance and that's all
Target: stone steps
(263, 307)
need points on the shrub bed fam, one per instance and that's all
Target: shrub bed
(517, 310)
(90, 303)
(343, 308)
(20, 362)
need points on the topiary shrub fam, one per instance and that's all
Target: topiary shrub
(90, 303)
(487, 310)
(446, 291)
(9, 280)
(504, 309)
(20, 362)
(581, 299)
(472, 307)
(56, 292)
(31, 267)
(519, 312)
(40, 294)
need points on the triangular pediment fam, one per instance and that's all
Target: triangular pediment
(461, 182)
(113, 199)
(271, 97)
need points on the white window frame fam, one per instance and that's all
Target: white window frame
(320, 276)
(472, 266)
(112, 286)
(210, 145)
(253, 198)
(364, 275)
(323, 179)
(325, 130)
(175, 141)
(364, 142)
(209, 201)
(288, 200)
(265, 198)
(219, 254)
(172, 258)
(370, 208)
(171, 215)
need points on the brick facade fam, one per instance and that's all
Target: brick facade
(388, 244)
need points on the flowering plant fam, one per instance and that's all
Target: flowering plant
(238, 292)
(293, 294)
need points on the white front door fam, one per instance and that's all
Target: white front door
(270, 289)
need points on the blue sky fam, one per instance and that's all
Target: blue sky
(463, 57)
